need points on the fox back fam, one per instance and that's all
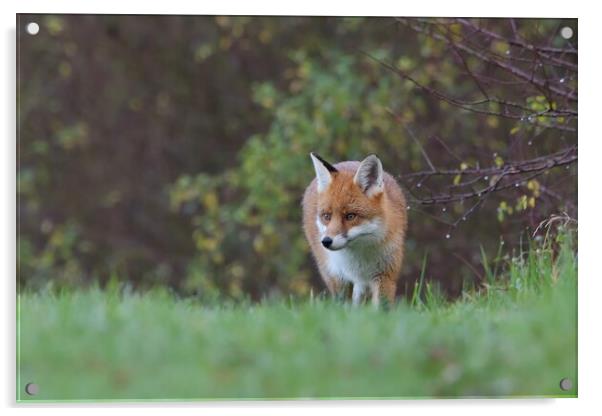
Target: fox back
(354, 218)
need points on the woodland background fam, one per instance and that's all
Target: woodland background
(173, 150)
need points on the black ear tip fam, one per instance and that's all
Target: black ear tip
(325, 163)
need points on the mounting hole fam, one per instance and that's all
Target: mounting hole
(566, 32)
(32, 389)
(32, 28)
(566, 384)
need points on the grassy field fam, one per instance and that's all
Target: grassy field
(516, 338)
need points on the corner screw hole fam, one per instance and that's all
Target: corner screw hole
(566, 32)
(32, 28)
(32, 389)
(566, 384)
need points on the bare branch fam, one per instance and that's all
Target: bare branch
(543, 51)
(517, 72)
(498, 175)
(563, 157)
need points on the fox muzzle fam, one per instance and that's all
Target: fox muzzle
(327, 242)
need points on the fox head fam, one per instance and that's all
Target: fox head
(350, 204)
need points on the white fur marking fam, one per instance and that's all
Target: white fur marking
(321, 227)
(338, 242)
(372, 229)
(364, 256)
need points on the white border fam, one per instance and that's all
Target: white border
(590, 154)
(466, 8)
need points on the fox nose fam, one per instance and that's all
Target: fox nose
(327, 242)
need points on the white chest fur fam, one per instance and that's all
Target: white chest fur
(358, 263)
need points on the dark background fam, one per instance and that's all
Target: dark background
(173, 150)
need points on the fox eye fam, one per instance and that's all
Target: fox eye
(350, 217)
(326, 216)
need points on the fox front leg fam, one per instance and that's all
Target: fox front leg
(336, 287)
(358, 293)
(383, 287)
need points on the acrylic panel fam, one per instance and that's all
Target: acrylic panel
(288, 207)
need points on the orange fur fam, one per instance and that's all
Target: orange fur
(381, 255)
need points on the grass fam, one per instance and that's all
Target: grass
(516, 338)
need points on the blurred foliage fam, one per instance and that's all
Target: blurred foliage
(179, 158)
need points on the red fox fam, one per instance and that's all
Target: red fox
(354, 218)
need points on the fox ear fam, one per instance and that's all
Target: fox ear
(369, 176)
(323, 171)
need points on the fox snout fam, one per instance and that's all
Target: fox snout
(327, 242)
(334, 243)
